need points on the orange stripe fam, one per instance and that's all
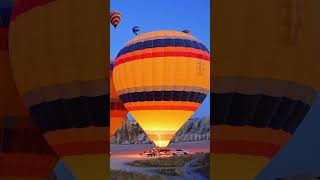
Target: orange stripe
(250, 133)
(88, 134)
(267, 150)
(118, 113)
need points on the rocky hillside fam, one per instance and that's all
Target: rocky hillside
(193, 130)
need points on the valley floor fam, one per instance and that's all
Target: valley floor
(122, 154)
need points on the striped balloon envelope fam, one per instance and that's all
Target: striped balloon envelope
(266, 79)
(24, 153)
(115, 18)
(117, 110)
(162, 77)
(58, 57)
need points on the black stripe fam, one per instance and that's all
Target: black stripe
(67, 113)
(5, 14)
(163, 96)
(258, 111)
(163, 43)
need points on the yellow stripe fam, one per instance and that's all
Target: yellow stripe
(161, 120)
(226, 167)
(162, 71)
(73, 135)
(59, 43)
(261, 49)
(86, 167)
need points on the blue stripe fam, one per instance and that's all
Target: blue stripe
(163, 43)
(111, 65)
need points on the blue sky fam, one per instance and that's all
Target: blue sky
(162, 15)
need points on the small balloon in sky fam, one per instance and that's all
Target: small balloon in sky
(186, 31)
(115, 18)
(136, 30)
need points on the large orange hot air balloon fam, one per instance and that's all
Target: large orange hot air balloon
(117, 110)
(24, 153)
(58, 56)
(162, 77)
(265, 80)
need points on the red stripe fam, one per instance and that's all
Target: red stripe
(23, 6)
(242, 147)
(118, 113)
(3, 38)
(136, 108)
(120, 60)
(80, 148)
(115, 18)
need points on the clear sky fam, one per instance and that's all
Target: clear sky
(152, 15)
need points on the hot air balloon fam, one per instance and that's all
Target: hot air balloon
(115, 18)
(58, 57)
(24, 154)
(117, 110)
(162, 77)
(186, 31)
(265, 80)
(136, 30)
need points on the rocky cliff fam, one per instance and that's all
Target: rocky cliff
(197, 129)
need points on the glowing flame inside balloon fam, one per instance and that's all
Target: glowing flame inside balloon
(160, 143)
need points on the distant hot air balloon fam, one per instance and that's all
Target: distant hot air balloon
(24, 153)
(136, 30)
(162, 77)
(186, 31)
(117, 111)
(115, 18)
(59, 65)
(265, 79)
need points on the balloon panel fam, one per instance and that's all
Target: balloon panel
(243, 167)
(244, 149)
(95, 164)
